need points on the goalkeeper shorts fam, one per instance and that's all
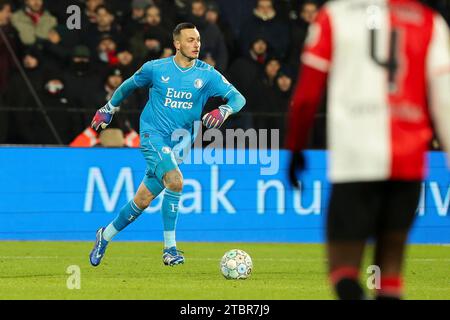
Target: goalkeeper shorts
(159, 158)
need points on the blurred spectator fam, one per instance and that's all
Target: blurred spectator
(106, 53)
(274, 101)
(264, 23)
(246, 73)
(55, 99)
(104, 25)
(6, 61)
(236, 13)
(91, 6)
(138, 9)
(104, 92)
(137, 17)
(125, 62)
(168, 12)
(182, 8)
(155, 17)
(271, 69)
(213, 49)
(33, 22)
(60, 44)
(213, 17)
(121, 10)
(299, 29)
(154, 41)
(25, 126)
(113, 80)
(80, 79)
(280, 93)
(308, 11)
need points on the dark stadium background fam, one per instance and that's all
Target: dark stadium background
(71, 73)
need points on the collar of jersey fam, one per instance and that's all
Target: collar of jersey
(183, 70)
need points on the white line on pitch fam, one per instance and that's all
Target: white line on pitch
(29, 257)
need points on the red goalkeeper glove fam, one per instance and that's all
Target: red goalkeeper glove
(103, 116)
(296, 165)
(217, 117)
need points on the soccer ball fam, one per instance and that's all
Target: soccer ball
(236, 264)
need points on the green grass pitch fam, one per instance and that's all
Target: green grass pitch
(134, 270)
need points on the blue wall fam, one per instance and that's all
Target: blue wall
(66, 194)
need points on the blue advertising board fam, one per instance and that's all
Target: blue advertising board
(68, 193)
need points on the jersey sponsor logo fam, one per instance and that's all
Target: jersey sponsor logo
(165, 79)
(198, 83)
(174, 99)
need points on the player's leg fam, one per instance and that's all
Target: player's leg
(350, 222)
(161, 162)
(392, 234)
(389, 255)
(344, 262)
(173, 181)
(149, 189)
(132, 210)
(170, 176)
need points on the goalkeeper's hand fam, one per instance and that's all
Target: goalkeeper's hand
(217, 117)
(103, 116)
(296, 165)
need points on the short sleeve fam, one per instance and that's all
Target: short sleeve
(219, 85)
(144, 76)
(317, 52)
(438, 58)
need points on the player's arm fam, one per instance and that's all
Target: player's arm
(143, 77)
(235, 101)
(438, 78)
(315, 63)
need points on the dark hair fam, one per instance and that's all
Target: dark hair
(203, 2)
(151, 6)
(307, 2)
(182, 26)
(4, 3)
(101, 6)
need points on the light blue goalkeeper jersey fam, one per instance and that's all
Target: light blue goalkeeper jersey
(176, 95)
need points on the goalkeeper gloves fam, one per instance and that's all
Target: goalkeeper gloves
(296, 165)
(217, 117)
(103, 116)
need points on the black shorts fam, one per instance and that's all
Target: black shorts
(361, 210)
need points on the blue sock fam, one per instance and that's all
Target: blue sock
(127, 215)
(169, 210)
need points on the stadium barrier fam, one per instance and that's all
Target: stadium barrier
(59, 193)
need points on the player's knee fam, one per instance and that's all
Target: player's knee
(175, 185)
(174, 182)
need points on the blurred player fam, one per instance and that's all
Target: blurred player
(179, 87)
(387, 63)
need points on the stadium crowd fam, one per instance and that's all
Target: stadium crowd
(256, 44)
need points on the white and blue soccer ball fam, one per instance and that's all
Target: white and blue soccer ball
(236, 264)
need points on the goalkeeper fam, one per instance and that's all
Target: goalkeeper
(179, 87)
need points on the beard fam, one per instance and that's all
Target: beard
(186, 55)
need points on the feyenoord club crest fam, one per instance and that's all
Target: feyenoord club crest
(198, 83)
